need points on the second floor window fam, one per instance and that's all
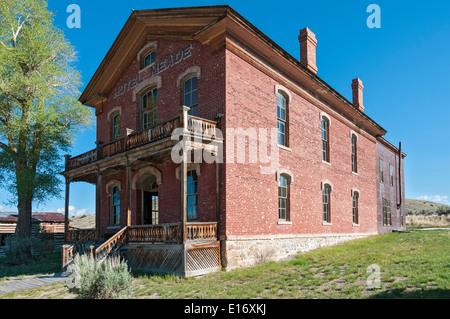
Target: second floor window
(381, 171)
(354, 154)
(282, 120)
(391, 175)
(325, 140)
(190, 94)
(115, 127)
(149, 109)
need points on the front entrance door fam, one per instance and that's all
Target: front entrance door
(150, 215)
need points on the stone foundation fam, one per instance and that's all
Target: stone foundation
(248, 251)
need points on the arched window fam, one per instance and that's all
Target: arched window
(149, 59)
(115, 206)
(355, 207)
(115, 126)
(190, 95)
(325, 128)
(326, 203)
(282, 119)
(283, 198)
(149, 108)
(354, 153)
(192, 193)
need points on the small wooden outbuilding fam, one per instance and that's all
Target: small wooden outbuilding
(49, 225)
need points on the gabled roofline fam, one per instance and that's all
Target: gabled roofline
(209, 16)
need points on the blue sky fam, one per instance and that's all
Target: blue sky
(404, 66)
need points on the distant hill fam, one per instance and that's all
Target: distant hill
(415, 207)
(83, 222)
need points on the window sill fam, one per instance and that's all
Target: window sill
(113, 227)
(284, 222)
(285, 148)
(327, 163)
(355, 225)
(355, 173)
(147, 67)
(326, 224)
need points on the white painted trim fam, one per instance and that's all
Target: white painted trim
(146, 84)
(190, 167)
(114, 110)
(148, 170)
(111, 184)
(283, 171)
(153, 44)
(192, 70)
(280, 88)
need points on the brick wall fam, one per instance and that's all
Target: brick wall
(211, 101)
(386, 191)
(251, 198)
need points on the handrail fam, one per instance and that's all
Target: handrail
(76, 234)
(201, 231)
(80, 247)
(166, 233)
(111, 245)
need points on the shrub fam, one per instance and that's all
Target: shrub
(17, 250)
(109, 279)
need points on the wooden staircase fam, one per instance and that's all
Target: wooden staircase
(156, 248)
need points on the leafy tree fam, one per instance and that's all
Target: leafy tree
(39, 110)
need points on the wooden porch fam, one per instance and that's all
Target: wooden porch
(155, 248)
(182, 248)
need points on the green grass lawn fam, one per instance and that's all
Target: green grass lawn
(412, 265)
(49, 265)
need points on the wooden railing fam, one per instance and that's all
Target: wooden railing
(201, 231)
(80, 247)
(82, 159)
(112, 245)
(75, 235)
(162, 233)
(195, 125)
(201, 127)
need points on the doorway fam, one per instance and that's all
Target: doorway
(150, 214)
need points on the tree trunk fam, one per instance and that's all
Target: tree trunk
(23, 228)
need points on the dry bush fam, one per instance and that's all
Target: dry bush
(427, 220)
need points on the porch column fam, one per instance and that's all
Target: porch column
(98, 204)
(66, 207)
(66, 204)
(128, 200)
(183, 176)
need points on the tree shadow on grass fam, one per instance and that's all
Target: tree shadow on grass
(415, 294)
(50, 264)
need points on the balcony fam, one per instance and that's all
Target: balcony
(192, 125)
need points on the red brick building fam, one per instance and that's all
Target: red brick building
(296, 164)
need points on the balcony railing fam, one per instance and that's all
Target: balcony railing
(194, 125)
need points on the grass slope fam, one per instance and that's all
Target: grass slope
(412, 265)
(414, 206)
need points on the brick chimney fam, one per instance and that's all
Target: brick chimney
(308, 45)
(357, 88)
